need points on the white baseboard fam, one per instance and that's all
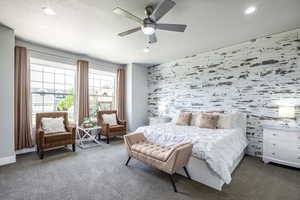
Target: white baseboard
(7, 160)
(23, 151)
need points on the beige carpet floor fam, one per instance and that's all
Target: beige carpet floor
(99, 173)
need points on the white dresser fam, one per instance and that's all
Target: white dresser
(281, 145)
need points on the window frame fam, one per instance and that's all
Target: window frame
(99, 72)
(42, 63)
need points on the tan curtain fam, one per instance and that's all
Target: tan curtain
(22, 100)
(121, 93)
(82, 90)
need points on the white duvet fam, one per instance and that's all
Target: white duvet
(219, 147)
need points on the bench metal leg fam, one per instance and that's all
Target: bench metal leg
(186, 172)
(173, 183)
(128, 160)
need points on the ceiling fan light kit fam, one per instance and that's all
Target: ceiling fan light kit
(148, 29)
(149, 24)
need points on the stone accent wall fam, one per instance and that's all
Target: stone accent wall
(253, 77)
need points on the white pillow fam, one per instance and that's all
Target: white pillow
(175, 117)
(232, 120)
(110, 119)
(225, 121)
(53, 125)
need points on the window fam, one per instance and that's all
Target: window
(101, 91)
(52, 87)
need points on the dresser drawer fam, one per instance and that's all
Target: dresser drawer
(282, 151)
(282, 136)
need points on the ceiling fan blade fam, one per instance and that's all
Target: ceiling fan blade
(162, 9)
(152, 38)
(129, 31)
(125, 13)
(171, 27)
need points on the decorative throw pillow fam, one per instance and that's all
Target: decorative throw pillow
(53, 125)
(205, 120)
(110, 119)
(194, 118)
(184, 118)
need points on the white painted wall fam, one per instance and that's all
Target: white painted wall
(137, 94)
(7, 44)
(129, 109)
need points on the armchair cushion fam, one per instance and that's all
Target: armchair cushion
(55, 137)
(53, 125)
(110, 119)
(116, 127)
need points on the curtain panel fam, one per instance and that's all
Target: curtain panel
(82, 90)
(23, 115)
(121, 93)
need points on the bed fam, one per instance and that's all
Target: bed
(216, 152)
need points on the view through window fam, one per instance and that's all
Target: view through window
(101, 91)
(52, 87)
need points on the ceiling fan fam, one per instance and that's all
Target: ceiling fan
(149, 24)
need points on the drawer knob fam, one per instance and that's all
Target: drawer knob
(274, 144)
(276, 134)
(298, 158)
(273, 153)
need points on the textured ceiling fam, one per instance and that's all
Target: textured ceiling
(89, 26)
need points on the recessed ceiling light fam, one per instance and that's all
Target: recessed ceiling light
(147, 49)
(48, 11)
(250, 10)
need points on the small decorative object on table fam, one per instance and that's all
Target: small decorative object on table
(88, 132)
(286, 113)
(88, 123)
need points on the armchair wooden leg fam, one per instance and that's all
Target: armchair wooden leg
(41, 154)
(128, 160)
(187, 173)
(173, 183)
(107, 140)
(99, 137)
(73, 147)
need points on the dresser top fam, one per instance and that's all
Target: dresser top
(282, 127)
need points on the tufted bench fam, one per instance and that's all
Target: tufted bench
(167, 159)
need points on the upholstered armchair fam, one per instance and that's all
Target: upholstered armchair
(111, 130)
(50, 140)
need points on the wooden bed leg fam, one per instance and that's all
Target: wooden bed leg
(187, 173)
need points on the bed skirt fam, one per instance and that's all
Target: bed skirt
(201, 172)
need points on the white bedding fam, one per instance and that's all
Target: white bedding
(218, 147)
